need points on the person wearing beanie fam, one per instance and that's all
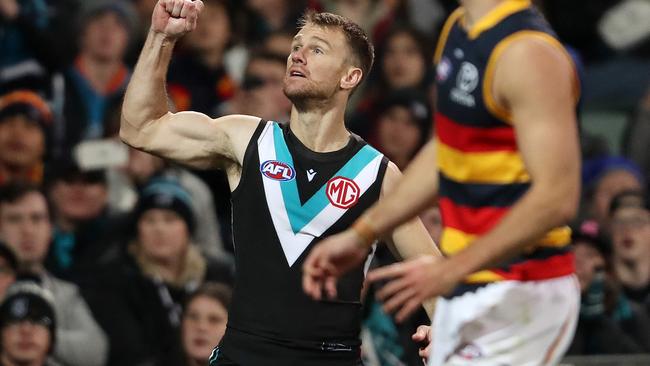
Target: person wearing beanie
(26, 228)
(141, 311)
(96, 80)
(602, 179)
(27, 326)
(25, 119)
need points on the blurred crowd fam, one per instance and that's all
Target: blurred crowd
(111, 256)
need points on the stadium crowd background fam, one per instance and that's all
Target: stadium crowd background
(131, 255)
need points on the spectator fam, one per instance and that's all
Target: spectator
(602, 179)
(124, 183)
(402, 61)
(197, 80)
(203, 324)
(138, 297)
(96, 82)
(24, 122)
(26, 228)
(85, 232)
(261, 92)
(630, 217)
(27, 326)
(279, 42)
(402, 126)
(8, 268)
(268, 16)
(608, 322)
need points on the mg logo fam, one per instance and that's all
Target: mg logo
(342, 192)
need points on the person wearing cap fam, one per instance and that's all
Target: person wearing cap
(24, 122)
(139, 299)
(25, 226)
(95, 82)
(609, 323)
(630, 217)
(86, 233)
(27, 326)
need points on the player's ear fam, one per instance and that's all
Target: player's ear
(351, 78)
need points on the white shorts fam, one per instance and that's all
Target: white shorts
(507, 323)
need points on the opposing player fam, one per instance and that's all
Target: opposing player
(507, 177)
(291, 185)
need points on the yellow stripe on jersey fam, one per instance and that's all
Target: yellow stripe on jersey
(496, 15)
(490, 101)
(444, 33)
(498, 167)
(453, 240)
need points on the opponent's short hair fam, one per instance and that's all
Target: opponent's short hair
(362, 49)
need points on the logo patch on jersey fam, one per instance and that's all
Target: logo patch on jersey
(277, 170)
(466, 82)
(342, 192)
(443, 70)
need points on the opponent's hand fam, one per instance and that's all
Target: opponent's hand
(174, 18)
(423, 336)
(413, 282)
(329, 260)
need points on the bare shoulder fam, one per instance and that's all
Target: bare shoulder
(534, 62)
(391, 178)
(239, 128)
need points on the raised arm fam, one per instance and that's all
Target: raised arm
(189, 138)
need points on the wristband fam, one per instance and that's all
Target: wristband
(366, 232)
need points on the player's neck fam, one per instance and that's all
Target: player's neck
(320, 129)
(476, 9)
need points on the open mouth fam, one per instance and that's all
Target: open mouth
(297, 74)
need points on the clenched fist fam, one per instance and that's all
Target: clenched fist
(174, 18)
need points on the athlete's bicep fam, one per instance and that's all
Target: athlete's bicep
(194, 139)
(536, 82)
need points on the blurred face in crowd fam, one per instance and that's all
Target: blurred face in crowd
(403, 63)
(213, 29)
(105, 37)
(22, 142)
(398, 134)
(319, 59)
(204, 323)
(631, 234)
(141, 165)
(588, 261)
(264, 97)
(613, 183)
(25, 343)
(25, 227)
(7, 276)
(279, 43)
(163, 235)
(79, 198)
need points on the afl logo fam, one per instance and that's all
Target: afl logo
(342, 192)
(277, 170)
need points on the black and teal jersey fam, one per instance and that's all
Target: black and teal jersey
(290, 197)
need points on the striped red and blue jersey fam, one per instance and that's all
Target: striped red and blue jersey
(482, 173)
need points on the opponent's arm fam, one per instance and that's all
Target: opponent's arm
(535, 82)
(187, 137)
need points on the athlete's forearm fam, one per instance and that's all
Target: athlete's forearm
(413, 193)
(146, 99)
